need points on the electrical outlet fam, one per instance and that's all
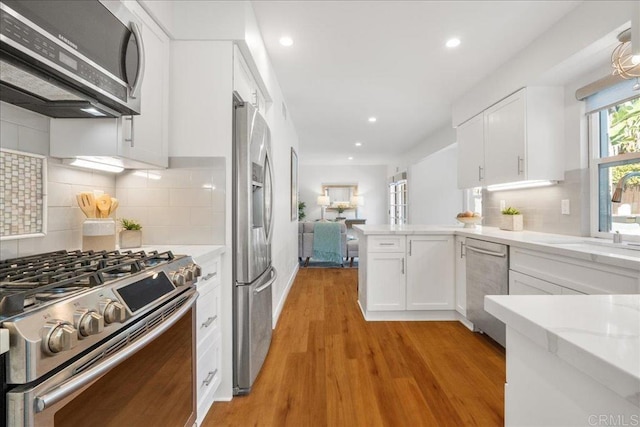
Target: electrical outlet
(503, 205)
(565, 207)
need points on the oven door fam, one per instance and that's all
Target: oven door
(143, 376)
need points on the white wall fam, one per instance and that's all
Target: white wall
(371, 182)
(433, 194)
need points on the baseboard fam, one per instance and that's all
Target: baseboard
(465, 322)
(410, 315)
(280, 306)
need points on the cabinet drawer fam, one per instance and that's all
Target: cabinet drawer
(210, 276)
(521, 284)
(208, 314)
(576, 274)
(386, 243)
(208, 377)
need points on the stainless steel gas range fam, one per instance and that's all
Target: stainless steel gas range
(105, 336)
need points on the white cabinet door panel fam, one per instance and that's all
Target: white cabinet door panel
(386, 281)
(470, 137)
(430, 273)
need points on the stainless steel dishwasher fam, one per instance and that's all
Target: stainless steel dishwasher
(487, 274)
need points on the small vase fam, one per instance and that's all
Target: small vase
(130, 239)
(511, 222)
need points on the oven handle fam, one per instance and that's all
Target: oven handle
(76, 383)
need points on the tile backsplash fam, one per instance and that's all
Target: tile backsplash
(184, 204)
(540, 207)
(64, 217)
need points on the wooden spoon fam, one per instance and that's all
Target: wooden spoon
(84, 206)
(114, 205)
(103, 203)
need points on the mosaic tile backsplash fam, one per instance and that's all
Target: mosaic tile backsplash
(22, 194)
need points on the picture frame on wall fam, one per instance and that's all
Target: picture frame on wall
(294, 185)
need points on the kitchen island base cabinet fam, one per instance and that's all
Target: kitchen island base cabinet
(407, 277)
(543, 390)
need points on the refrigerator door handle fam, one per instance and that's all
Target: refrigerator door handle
(274, 276)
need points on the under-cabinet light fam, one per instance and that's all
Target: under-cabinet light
(88, 164)
(94, 112)
(520, 185)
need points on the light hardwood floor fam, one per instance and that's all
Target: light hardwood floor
(328, 367)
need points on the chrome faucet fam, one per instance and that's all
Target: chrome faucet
(617, 194)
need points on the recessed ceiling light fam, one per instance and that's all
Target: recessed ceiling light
(372, 119)
(349, 158)
(358, 144)
(286, 41)
(454, 42)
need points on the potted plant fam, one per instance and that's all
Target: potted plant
(511, 220)
(131, 234)
(301, 214)
(340, 207)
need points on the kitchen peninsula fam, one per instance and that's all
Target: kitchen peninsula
(575, 355)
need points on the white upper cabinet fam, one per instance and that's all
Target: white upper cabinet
(137, 141)
(470, 137)
(522, 139)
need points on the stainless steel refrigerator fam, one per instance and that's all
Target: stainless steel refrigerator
(253, 274)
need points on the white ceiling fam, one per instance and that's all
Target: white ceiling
(355, 59)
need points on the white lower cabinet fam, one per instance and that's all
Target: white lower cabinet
(521, 284)
(461, 275)
(208, 336)
(386, 281)
(409, 274)
(430, 272)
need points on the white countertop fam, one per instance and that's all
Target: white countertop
(586, 248)
(597, 334)
(200, 253)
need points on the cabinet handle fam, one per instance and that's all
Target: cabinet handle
(462, 249)
(387, 244)
(209, 378)
(210, 275)
(410, 247)
(209, 321)
(480, 177)
(130, 139)
(402, 265)
(520, 159)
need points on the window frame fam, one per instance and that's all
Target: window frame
(594, 136)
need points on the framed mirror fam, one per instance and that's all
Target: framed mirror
(340, 194)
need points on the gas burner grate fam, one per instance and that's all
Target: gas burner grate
(23, 280)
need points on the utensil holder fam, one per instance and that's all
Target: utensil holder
(99, 234)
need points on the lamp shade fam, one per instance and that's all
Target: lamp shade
(357, 200)
(323, 201)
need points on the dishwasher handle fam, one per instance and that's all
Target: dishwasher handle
(486, 252)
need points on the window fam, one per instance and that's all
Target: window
(615, 169)
(398, 199)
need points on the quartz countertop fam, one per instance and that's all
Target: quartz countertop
(200, 253)
(597, 334)
(585, 248)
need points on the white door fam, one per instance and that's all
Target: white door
(470, 136)
(430, 273)
(505, 133)
(386, 276)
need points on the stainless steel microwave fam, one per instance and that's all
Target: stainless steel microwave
(69, 58)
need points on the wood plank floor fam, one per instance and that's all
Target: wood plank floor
(329, 367)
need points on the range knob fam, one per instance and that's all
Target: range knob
(178, 278)
(113, 312)
(197, 270)
(187, 272)
(60, 336)
(88, 322)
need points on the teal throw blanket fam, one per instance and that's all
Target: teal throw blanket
(326, 242)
